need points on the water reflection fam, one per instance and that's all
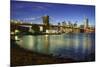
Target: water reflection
(76, 46)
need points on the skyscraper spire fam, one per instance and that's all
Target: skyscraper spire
(86, 22)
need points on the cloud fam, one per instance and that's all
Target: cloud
(31, 18)
(38, 7)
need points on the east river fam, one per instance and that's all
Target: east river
(79, 46)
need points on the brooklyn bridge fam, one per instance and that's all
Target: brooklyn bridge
(47, 28)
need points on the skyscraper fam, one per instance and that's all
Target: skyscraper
(86, 23)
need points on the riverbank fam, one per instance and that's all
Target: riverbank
(22, 57)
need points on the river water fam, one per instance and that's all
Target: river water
(77, 46)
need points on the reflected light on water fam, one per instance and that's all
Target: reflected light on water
(75, 46)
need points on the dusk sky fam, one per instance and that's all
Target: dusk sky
(33, 12)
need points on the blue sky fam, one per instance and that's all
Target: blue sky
(33, 12)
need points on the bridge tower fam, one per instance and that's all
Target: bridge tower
(46, 23)
(46, 20)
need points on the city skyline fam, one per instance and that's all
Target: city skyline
(33, 12)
